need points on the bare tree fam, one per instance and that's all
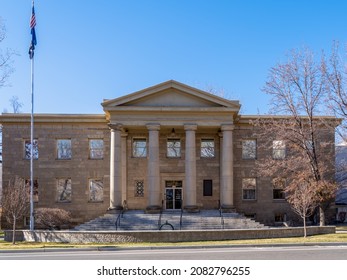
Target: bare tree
(6, 58)
(298, 91)
(335, 71)
(16, 104)
(15, 203)
(301, 196)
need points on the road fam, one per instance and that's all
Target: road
(208, 253)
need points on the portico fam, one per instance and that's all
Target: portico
(170, 116)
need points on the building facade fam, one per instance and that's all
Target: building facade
(170, 146)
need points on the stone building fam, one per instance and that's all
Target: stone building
(164, 147)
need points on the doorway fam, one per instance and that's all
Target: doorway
(173, 195)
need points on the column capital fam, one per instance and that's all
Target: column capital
(227, 126)
(190, 126)
(115, 126)
(153, 126)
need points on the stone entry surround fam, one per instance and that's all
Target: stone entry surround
(156, 110)
(118, 176)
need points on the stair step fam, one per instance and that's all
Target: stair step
(134, 220)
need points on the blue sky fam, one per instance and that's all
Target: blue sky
(88, 50)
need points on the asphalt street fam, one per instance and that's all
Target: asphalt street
(311, 252)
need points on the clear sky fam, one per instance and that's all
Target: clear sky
(88, 50)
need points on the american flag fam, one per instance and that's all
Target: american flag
(33, 34)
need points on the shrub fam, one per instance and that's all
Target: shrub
(51, 218)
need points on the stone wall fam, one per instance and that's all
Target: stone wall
(161, 236)
(80, 168)
(48, 168)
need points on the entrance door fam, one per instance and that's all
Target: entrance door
(173, 195)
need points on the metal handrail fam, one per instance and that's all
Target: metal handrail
(221, 215)
(117, 223)
(120, 214)
(161, 213)
(181, 217)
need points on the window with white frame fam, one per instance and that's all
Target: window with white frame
(64, 149)
(249, 188)
(173, 148)
(207, 148)
(64, 190)
(27, 149)
(139, 147)
(96, 148)
(96, 190)
(278, 149)
(249, 149)
(278, 186)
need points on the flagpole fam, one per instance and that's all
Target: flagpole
(32, 137)
(32, 149)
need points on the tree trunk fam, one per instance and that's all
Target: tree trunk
(14, 232)
(305, 233)
(321, 216)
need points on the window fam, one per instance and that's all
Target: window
(173, 148)
(278, 149)
(64, 149)
(96, 190)
(207, 187)
(139, 188)
(248, 188)
(27, 149)
(139, 147)
(35, 189)
(249, 149)
(207, 148)
(64, 190)
(280, 217)
(96, 148)
(278, 185)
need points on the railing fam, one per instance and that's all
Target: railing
(161, 213)
(221, 215)
(181, 217)
(117, 223)
(120, 214)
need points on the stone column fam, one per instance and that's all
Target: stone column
(124, 166)
(227, 168)
(116, 168)
(153, 173)
(189, 190)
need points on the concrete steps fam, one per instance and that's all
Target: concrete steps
(136, 220)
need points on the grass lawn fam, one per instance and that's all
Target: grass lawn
(324, 238)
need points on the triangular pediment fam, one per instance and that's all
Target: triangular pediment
(171, 94)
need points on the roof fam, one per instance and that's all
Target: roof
(165, 95)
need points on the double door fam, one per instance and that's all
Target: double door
(173, 195)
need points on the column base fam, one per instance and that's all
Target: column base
(228, 209)
(192, 209)
(154, 209)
